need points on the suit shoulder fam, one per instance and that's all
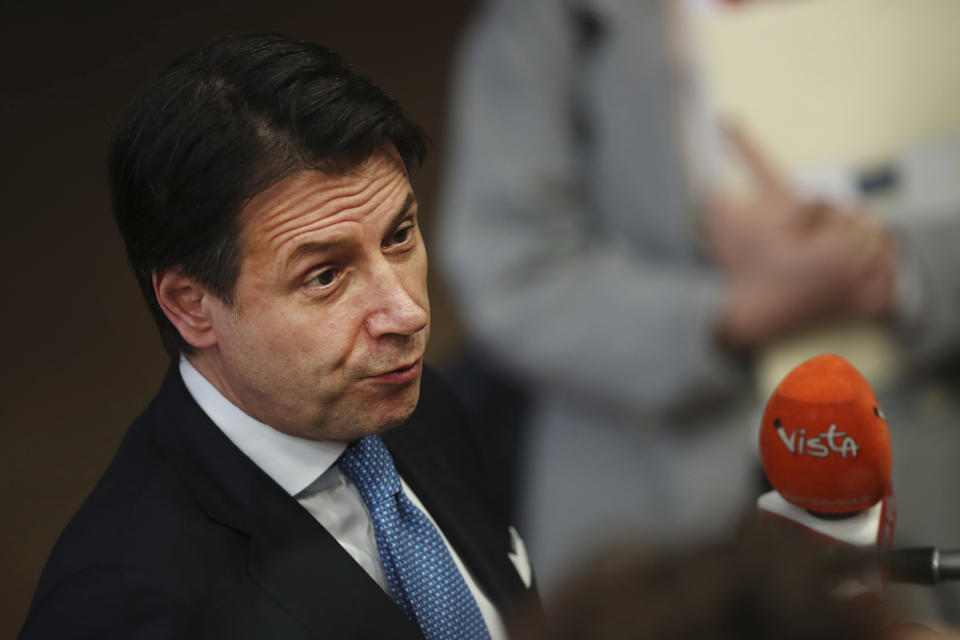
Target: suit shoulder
(96, 525)
(139, 522)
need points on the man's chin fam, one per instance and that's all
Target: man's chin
(393, 416)
(403, 413)
(366, 414)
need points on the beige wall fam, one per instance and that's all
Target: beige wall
(81, 355)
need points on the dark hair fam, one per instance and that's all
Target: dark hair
(219, 126)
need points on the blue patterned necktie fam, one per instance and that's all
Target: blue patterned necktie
(421, 573)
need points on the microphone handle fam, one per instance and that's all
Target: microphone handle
(924, 565)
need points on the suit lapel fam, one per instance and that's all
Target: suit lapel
(303, 567)
(292, 557)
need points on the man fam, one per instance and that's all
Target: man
(262, 192)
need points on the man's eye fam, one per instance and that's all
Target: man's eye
(400, 236)
(324, 278)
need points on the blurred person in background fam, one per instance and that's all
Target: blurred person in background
(590, 264)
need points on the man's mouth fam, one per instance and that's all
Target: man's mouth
(402, 374)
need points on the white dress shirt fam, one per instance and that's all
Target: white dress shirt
(307, 470)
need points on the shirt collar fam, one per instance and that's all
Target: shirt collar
(293, 463)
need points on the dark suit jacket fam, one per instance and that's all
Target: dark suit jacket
(185, 537)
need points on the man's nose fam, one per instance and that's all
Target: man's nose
(396, 310)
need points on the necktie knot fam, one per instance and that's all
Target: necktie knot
(370, 467)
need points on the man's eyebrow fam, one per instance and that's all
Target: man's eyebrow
(308, 248)
(404, 210)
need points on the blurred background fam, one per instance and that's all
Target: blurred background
(858, 101)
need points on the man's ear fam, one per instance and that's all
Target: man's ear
(182, 300)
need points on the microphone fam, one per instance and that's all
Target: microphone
(825, 449)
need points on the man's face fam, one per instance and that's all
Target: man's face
(331, 318)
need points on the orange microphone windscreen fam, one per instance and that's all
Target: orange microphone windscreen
(824, 440)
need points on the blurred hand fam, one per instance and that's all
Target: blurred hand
(793, 262)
